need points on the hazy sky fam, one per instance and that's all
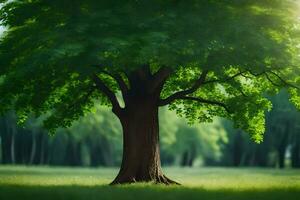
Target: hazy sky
(1, 30)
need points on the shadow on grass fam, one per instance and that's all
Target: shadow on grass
(143, 192)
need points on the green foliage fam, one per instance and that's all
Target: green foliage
(203, 141)
(95, 140)
(281, 138)
(101, 126)
(51, 48)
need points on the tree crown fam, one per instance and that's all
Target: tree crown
(206, 58)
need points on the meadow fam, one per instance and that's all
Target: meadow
(20, 182)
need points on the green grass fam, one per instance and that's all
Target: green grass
(199, 183)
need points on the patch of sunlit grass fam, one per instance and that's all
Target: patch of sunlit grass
(197, 183)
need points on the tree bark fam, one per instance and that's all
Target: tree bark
(139, 120)
(141, 156)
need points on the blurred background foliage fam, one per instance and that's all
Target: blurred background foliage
(96, 140)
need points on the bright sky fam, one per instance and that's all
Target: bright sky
(1, 27)
(1, 30)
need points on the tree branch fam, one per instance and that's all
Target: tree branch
(257, 74)
(123, 86)
(160, 77)
(206, 101)
(285, 83)
(271, 81)
(226, 79)
(118, 78)
(183, 93)
(105, 90)
(242, 92)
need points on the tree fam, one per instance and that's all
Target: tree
(184, 144)
(281, 138)
(8, 134)
(282, 124)
(102, 133)
(201, 58)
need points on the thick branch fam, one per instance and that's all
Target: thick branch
(206, 101)
(183, 93)
(105, 90)
(123, 86)
(160, 77)
(118, 78)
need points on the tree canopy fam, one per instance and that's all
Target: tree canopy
(211, 58)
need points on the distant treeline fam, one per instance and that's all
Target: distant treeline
(96, 140)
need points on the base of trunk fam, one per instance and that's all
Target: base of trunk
(161, 179)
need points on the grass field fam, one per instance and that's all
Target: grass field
(200, 183)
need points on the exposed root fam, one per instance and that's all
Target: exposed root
(165, 180)
(157, 180)
(119, 181)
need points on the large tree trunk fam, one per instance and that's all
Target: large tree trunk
(141, 156)
(139, 119)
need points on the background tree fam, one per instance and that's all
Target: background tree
(283, 129)
(8, 134)
(102, 133)
(281, 143)
(203, 59)
(94, 140)
(186, 145)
